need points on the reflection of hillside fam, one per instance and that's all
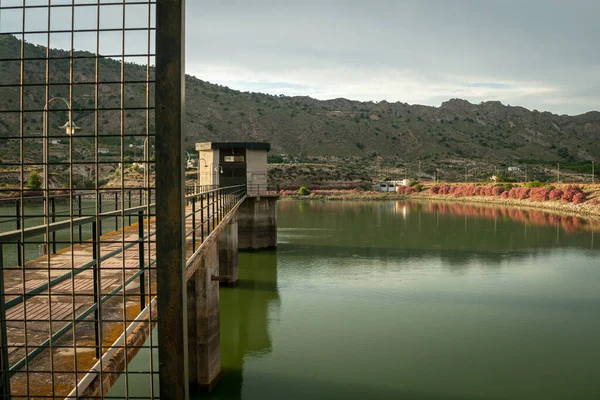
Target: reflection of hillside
(454, 258)
(245, 316)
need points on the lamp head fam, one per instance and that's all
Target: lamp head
(70, 128)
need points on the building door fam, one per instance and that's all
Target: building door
(233, 164)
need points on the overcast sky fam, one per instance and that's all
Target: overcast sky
(541, 54)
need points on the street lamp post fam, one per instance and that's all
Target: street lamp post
(198, 180)
(214, 170)
(70, 129)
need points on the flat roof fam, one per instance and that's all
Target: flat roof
(229, 145)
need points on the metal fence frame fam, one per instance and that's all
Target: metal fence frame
(67, 229)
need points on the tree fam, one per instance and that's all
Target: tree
(34, 181)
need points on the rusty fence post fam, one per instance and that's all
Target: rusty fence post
(170, 200)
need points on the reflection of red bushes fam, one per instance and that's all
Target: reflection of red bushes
(533, 217)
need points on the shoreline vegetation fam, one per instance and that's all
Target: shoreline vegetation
(581, 200)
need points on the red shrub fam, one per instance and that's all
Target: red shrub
(444, 189)
(504, 195)
(498, 190)
(434, 189)
(540, 194)
(555, 194)
(570, 192)
(579, 198)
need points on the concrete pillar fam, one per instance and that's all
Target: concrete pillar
(203, 322)
(257, 223)
(228, 254)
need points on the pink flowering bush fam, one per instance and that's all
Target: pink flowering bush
(497, 190)
(444, 189)
(434, 189)
(555, 194)
(519, 193)
(570, 192)
(405, 190)
(540, 194)
(579, 198)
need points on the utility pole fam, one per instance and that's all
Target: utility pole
(558, 173)
(418, 177)
(526, 178)
(465, 174)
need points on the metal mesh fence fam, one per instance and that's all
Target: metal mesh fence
(77, 247)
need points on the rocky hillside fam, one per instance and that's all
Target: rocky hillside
(488, 133)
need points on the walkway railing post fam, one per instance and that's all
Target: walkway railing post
(202, 217)
(96, 272)
(4, 365)
(100, 211)
(193, 224)
(18, 213)
(79, 214)
(116, 208)
(142, 262)
(170, 201)
(53, 208)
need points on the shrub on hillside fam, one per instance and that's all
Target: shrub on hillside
(534, 184)
(303, 191)
(579, 198)
(555, 194)
(444, 189)
(404, 190)
(498, 190)
(570, 192)
(540, 194)
(518, 193)
(434, 189)
(34, 181)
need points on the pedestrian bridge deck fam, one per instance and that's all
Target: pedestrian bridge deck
(52, 335)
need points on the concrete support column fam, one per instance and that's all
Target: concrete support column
(228, 254)
(203, 322)
(257, 223)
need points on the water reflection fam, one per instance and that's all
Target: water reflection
(245, 314)
(455, 233)
(412, 300)
(570, 224)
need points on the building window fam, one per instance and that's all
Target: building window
(234, 159)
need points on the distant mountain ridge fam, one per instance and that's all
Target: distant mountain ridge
(300, 126)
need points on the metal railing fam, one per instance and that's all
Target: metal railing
(206, 210)
(262, 190)
(108, 200)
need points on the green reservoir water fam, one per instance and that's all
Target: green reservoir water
(393, 300)
(407, 300)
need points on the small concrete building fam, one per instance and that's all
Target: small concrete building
(233, 163)
(390, 186)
